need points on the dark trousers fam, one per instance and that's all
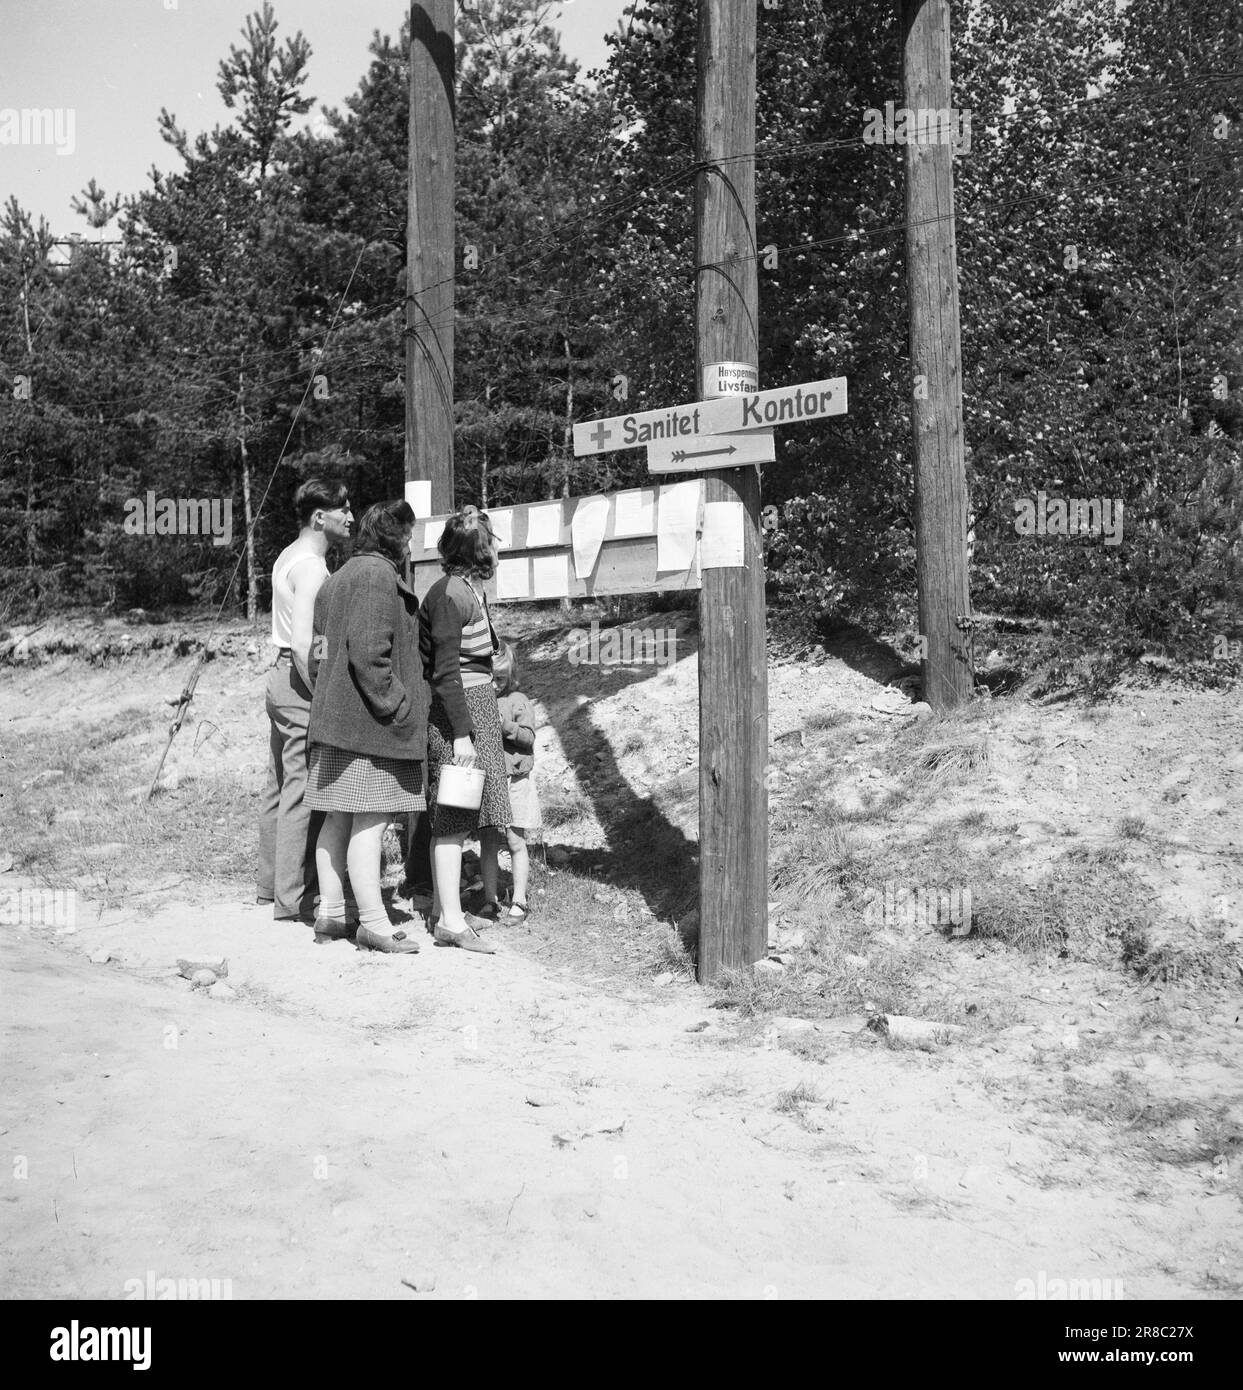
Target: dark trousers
(288, 828)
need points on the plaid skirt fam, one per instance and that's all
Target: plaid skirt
(360, 783)
(489, 755)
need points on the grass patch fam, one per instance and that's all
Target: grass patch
(820, 720)
(1184, 951)
(1109, 856)
(793, 1101)
(1036, 921)
(934, 756)
(559, 809)
(814, 861)
(617, 924)
(94, 829)
(1127, 1103)
(753, 996)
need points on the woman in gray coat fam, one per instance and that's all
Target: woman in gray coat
(368, 727)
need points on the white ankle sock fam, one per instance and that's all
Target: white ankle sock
(376, 922)
(333, 911)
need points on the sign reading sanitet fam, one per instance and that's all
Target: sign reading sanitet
(784, 405)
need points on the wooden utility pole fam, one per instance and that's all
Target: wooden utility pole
(252, 582)
(429, 251)
(733, 663)
(932, 287)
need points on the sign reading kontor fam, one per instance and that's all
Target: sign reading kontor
(784, 405)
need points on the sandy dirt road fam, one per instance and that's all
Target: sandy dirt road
(349, 1122)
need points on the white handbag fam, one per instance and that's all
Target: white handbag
(460, 786)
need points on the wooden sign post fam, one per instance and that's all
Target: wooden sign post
(429, 252)
(733, 652)
(702, 532)
(674, 535)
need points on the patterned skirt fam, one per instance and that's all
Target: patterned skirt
(361, 783)
(489, 755)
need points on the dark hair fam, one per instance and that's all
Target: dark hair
(380, 534)
(316, 494)
(466, 544)
(401, 511)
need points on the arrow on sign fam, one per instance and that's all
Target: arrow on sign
(681, 455)
(711, 451)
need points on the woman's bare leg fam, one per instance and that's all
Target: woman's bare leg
(330, 864)
(447, 881)
(365, 859)
(521, 864)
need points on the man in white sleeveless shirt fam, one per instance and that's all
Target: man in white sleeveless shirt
(287, 827)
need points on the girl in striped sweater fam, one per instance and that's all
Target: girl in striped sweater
(457, 640)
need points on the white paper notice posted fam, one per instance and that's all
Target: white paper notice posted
(431, 534)
(543, 526)
(550, 576)
(677, 525)
(634, 513)
(513, 579)
(502, 524)
(419, 495)
(591, 516)
(721, 545)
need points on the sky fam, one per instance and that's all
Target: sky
(104, 68)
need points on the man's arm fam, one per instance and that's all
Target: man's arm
(305, 581)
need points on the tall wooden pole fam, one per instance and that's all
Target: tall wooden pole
(932, 286)
(429, 251)
(733, 665)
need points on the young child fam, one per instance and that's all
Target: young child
(518, 741)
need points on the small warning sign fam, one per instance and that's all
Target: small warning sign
(730, 379)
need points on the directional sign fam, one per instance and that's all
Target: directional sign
(785, 405)
(711, 451)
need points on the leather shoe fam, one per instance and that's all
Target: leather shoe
(333, 929)
(465, 940)
(399, 944)
(473, 922)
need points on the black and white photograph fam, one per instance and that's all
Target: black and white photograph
(621, 626)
